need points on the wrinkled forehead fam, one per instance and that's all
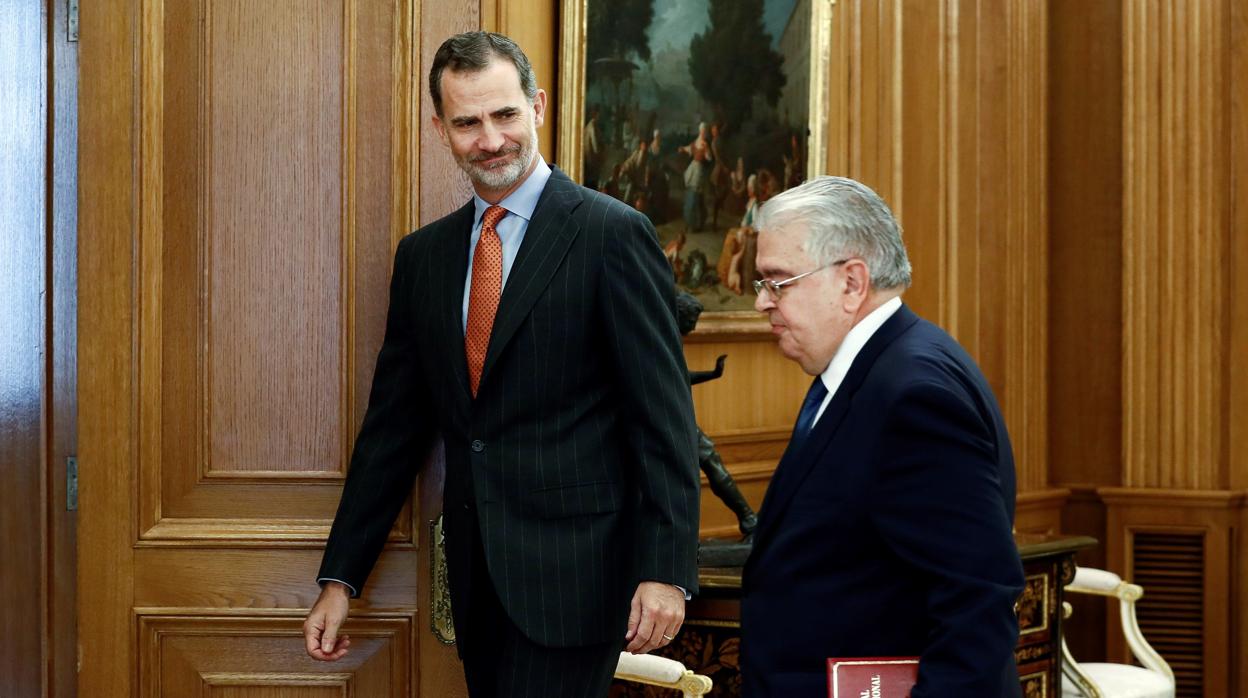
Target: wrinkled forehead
(497, 84)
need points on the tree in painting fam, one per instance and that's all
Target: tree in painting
(733, 61)
(619, 28)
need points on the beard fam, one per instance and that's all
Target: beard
(504, 175)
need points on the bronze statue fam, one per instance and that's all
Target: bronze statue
(688, 309)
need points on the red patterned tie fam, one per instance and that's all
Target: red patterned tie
(487, 288)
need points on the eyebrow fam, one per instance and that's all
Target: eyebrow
(774, 271)
(501, 113)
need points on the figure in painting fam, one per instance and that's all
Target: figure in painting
(697, 176)
(721, 177)
(672, 251)
(593, 152)
(736, 261)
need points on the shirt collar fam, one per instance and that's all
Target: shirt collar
(521, 202)
(855, 340)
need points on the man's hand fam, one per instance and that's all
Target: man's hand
(657, 614)
(320, 629)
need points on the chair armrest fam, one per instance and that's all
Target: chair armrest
(1089, 580)
(1075, 674)
(661, 671)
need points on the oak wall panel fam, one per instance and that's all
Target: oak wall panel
(1085, 242)
(927, 112)
(443, 186)
(1176, 215)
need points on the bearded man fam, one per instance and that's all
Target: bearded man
(533, 330)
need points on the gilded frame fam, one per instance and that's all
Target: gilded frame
(713, 325)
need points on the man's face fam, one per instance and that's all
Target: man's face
(489, 125)
(810, 317)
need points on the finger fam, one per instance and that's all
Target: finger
(312, 638)
(641, 641)
(634, 617)
(329, 637)
(341, 650)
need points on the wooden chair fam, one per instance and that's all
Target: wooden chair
(1106, 680)
(661, 671)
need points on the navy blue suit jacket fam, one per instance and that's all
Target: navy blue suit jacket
(887, 530)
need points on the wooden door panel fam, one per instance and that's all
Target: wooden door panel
(276, 176)
(244, 190)
(262, 657)
(168, 577)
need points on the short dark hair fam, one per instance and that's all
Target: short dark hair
(472, 52)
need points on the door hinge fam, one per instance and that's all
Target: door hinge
(72, 20)
(71, 483)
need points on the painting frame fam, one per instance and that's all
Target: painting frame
(713, 325)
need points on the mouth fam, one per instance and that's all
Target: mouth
(492, 161)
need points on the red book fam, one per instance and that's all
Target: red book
(872, 677)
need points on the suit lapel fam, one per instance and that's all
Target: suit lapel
(546, 241)
(450, 264)
(798, 460)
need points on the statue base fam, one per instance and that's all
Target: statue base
(716, 552)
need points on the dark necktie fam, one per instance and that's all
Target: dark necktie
(810, 407)
(483, 296)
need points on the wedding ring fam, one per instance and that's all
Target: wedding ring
(669, 638)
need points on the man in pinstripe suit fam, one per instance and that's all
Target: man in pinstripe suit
(571, 495)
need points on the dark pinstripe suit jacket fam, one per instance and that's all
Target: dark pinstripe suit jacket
(578, 457)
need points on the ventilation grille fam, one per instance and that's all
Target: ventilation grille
(1171, 567)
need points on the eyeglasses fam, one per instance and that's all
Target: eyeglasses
(775, 287)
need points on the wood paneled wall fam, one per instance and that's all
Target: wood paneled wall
(926, 109)
(1147, 156)
(1085, 282)
(1059, 169)
(1175, 235)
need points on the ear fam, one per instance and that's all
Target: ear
(539, 108)
(857, 284)
(441, 129)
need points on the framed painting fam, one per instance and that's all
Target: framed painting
(695, 112)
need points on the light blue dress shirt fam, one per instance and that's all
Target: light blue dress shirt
(520, 205)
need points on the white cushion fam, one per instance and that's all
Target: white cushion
(1092, 579)
(648, 666)
(1122, 681)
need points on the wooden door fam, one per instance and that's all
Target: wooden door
(246, 171)
(37, 348)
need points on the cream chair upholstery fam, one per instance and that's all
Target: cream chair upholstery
(1101, 680)
(661, 671)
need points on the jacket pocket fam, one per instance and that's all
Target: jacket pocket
(575, 500)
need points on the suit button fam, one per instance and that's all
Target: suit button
(477, 445)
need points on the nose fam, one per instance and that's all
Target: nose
(491, 139)
(763, 301)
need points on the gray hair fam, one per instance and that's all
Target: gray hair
(844, 218)
(472, 52)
